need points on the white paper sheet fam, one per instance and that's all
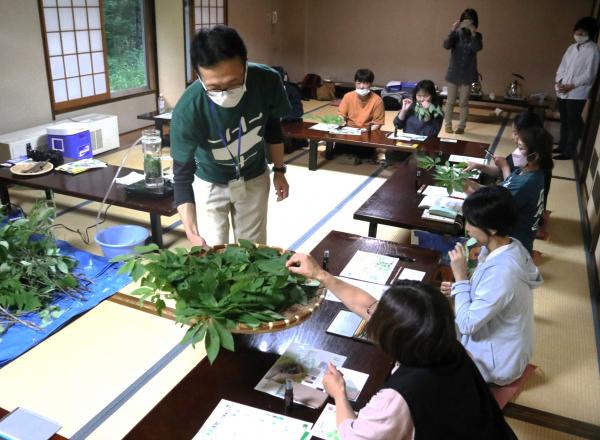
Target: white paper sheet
(411, 274)
(367, 266)
(130, 178)
(326, 427)
(458, 158)
(355, 382)
(440, 191)
(324, 127)
(306, 366)
(375, 290)
(449, 140)
(407, 137)
(231, 420)
(352, 131)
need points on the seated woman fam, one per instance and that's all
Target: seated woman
(527, 183)
(494, 309)
(436, 380)
(423, 113)
(521, 122)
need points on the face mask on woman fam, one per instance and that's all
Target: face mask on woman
(363, 92)
(519, 159)
(580, 39)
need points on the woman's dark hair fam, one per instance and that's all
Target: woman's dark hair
(414, 324)
(491, 207)
(470, 14)
(527, 119)
(589, 25)
(427, 86)
(537, 140)
(219, 43)
(364, 75)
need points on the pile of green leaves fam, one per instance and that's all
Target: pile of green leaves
(32, 271)
(426, 114)
(215, 291)
(330, 119)
(450, 176)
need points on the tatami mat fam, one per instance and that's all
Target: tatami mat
(528, 431)
(567, 381)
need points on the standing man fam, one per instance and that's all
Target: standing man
(220, 130)
(574, 79)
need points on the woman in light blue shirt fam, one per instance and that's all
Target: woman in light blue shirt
(494, 309)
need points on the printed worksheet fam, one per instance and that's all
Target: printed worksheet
(231, 420)
(375, 290)
(367, 266)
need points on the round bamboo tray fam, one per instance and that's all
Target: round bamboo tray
(294, 314)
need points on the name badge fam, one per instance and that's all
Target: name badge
(237, 189)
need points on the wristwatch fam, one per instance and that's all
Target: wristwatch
(281, 170)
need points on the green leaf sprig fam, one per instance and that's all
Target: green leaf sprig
(329, 119)
(450, 176)
(32, 271)
(216, 291)
(426, 114)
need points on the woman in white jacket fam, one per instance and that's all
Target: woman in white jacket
(574, 79)
(494, 309)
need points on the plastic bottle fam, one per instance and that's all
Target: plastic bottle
(162, 104)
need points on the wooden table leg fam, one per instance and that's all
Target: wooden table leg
(312, 154)
(372, 229)
(156, 229)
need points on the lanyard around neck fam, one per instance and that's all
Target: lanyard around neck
(237, 162)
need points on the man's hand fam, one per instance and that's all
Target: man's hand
(458, 262)
(198, 240)
(282, 189)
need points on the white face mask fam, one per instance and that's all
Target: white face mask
(363, 92)
(580, 39)
(227, 98)
(519, 160)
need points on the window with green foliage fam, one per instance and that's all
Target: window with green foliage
(125, 44)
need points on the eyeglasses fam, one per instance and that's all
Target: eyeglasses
(218, 92)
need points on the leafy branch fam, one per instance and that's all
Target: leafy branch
(32, 271)
(216, 291)
(452, 177)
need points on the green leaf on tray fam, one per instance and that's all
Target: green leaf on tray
(215, 291)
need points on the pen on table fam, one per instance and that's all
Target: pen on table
(402, 258)
(326, 260)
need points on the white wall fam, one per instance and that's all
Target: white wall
(24, 95)
(24, 92)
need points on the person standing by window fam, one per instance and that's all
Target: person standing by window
(463, 42)
(574, 79)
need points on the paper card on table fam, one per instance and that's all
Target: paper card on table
(458, 158)
(452, 203)
(438, 218)
(306, 366)
(323, 127)
(407, 137)
(130, 178)
(355, 382)
(346, 130)
(450, 140)
(345, 324)
(23, 424)
(371, 267)
(231, 420)
(441, 191)
(411, 274)
(375, 290)
(326, 427)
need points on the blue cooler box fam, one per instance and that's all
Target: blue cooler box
(70, 138)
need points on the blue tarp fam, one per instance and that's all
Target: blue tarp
(105, 283)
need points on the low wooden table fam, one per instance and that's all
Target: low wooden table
(375, 139)
(395, 203)
(532, 104)
(233, 376)
(92, 185)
